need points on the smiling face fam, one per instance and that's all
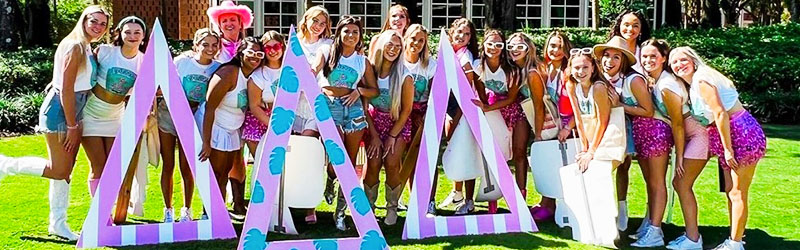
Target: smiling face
(95, 25)
(132, 35)
(554, 49)
(230, 26)
(415, 43)
(461, 36)
(350, 35)
(317, 25)
(581, 68)
(274, 50)
(207, 48)
(630, 27)
(250, 56)
(517, 49)
(398, 20)
(392, 48)
(493, 46)
(682, 65)
(611, 61)
(651, 59)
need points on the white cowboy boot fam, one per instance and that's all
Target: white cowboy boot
(392, 198)
(59, 202)
(33, 166)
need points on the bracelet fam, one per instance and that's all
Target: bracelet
(72, 127)
(393, 136)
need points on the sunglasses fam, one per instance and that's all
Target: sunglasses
(579, 51)
(494, 45)
(276, 47)
(253, 53)
(517, 46)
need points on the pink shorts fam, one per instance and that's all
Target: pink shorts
(696, 138)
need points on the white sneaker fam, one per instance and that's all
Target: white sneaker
(622, 218)
(186, 214)
(340, 224)
(431, 209)
(730, 244)
(684, 243)
(454, 198)
(465, 207)
(169, 215)
(652, 237)
(641, 230)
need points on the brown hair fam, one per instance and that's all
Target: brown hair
(336, 47)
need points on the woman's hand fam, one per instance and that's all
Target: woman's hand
(583, 161)
(205, 153)
(351, 98)
(479, 104)
(327, 91)
(374, 148)
(679, 171)
(562, 135)
(388, 146)
(729, 158)
(73, 139)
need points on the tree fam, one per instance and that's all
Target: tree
(9, 34)
(794, 10)
(37, 20)
(496, 13)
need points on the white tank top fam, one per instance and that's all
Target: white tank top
(230, 112)
(422, 78)
(666, 81)
(383, 101)
(493, 81)
(623, 87)
(727, 94)
(116, 74)
(267, 79)
(194, 77)
(85, 76)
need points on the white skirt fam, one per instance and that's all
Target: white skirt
(221, 139)
(101, 118)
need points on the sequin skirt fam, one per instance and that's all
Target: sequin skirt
(418, 114)
(253, 129)
(651, 137)
(383, 124)
(511, 113)
(747, 138)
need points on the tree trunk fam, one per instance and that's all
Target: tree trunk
(595, 14)
(37, 33)
(712, 13)
(672, 14)
(414, 11)
(497, 14)
(9, 33)
(731, 10)
(794, 10)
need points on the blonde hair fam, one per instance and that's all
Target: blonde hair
(396, 71)
(308, 15)
(79, 36)
(386, 24)
(699, 64)
(532, 61)
(425, 54)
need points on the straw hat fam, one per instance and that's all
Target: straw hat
(228, 7)
(618, 43)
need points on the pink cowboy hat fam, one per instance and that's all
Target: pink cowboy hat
(228, 7)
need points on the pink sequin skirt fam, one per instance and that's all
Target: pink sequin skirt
(253, 129)
(383, 123)
(511, 113)
(747, 138)
(418, 114)
(651, 137)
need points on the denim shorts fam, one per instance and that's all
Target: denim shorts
(348, 118)
(51, 114)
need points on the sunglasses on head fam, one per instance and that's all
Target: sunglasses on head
(276, 47)
(494, 45)
(579, 51)
(517, 46)
(253, 53)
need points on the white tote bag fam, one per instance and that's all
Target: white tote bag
(500, 132)
(551, 123)
(462, 159)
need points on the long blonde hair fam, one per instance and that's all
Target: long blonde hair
(386, 24)
(395, 72)
(425, 54)
(700, 64)
(310, 14)
(79, 36)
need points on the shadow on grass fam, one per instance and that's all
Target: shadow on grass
(714, 235)
(788, 132)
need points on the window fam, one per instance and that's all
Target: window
(529, 13)
(333, 9)
(477, 14)
(280, 15)
(370, 12)
(565, 13)
(444, 12)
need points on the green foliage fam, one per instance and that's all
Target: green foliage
(610, 9)
(25, 71)
(19, 114)
(68, 12)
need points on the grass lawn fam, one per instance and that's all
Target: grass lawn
(774, 208)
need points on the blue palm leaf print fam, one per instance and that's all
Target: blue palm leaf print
(281, 120)
(289, 80)
(335, 153)
(326, 245)
(258, 193)
(373, 241)
(255, 240)
(295, 44)
(276, 160)
(321, 108)
(359, 199)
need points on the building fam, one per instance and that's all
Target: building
(183, 17)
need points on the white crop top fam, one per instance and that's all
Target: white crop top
(194, 77)
(493, 81)
(267, 79)
(422, 78)
(348, 72)
(725, 89)
(666, 81)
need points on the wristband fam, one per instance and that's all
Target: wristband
(72, 127)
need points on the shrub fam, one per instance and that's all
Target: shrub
(68, 12)
(20, 113)
(25, 71)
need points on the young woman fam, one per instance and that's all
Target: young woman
(463, 37)
(671, 99)
(522, 56)
(498, 88)
(647, 137)
(61, 114)
(195, 70)
(230, 21)
(261, 89)
(223, 112)
(389, 123)
(734, 135)
(398, 21)
(602, 142)
(118, 64)
(344, 68)
(556, 60)
(631, 25)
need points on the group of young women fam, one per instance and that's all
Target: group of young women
(378, 96)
